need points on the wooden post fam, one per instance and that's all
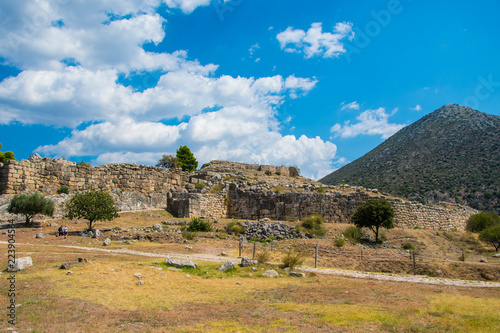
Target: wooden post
(253, 257)
(316, 256)
(361, 254)
(240, 247)
(414, 264)
(463, 256)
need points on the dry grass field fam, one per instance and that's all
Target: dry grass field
(104, 296)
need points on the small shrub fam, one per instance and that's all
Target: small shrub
(352, 234)
(84, 164)
(313, 225)
(217, 188)
(263, 256)
(277, 173)
(200, 186)
(268, 173)
(63, 189)
(320, 190)
(293, 258)
(382, 237)
(188, 235)
(408, 246)
(236, 227)
(340, 241)
(198, 224)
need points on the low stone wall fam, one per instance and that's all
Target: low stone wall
(183, 204)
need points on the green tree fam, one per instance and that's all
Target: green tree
(373, 214)
(168, 162)
(93, 206)
(484, 220)
(30, 205)
(491, 235)
(7, 156)
(186, 159)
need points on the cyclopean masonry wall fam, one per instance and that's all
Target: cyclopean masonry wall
(335, 207)
(139, 187)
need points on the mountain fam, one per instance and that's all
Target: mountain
(451, 154)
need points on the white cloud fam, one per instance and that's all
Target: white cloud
(104, 40)
(370, 122)
(315, 42)
(351, 106)
(417, 108)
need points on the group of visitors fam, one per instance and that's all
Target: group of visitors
(63, 231)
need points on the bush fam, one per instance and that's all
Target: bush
(200, 186)
(84, 164)
(63, 189)
(492, 236)
(263, 256)
(313, 225)
(236, 227)
(352, 234)
(268, 173)
(277, 173)
(293, 258)
(188, 235)
(408, 246)
(482, 221)
(320, 190)
(340, 241)
(198, 224)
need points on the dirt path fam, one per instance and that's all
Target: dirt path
(352, 274)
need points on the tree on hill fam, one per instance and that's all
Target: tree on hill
(7, 156)
(186, 159)
(30, 205)
(491, 235)
(168, 162)
(93, 206)
(373, 214)
(481, 221)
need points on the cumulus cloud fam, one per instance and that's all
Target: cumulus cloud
(351, 106)
(370, 122)
(73, 54)
(417, 108)
(315, 42)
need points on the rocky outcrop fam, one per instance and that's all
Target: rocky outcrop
(264, 230)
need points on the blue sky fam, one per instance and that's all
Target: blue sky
(315, 84)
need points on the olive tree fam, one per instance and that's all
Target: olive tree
(373, 214)
(168, 162)
(492, 236)
(30, 205)
(93, 206)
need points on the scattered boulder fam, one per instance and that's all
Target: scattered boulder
(226, 266)
(84, 260)
(223, 254)
(138, 275)
(107, 242)
(496, 255)
(246, 261)
(140, 282)
(67, 265)
(19, 264)
(270, 273)
(96, 233)
(180, 263)
(157, 226)
(39, 235)
(297, 274)
(189, 247)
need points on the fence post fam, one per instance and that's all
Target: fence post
(414, 264)
(240, 247)
(463, 256)
(316, 256)
(253, 257)
(361, 254)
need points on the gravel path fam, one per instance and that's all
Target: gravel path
(352, 274)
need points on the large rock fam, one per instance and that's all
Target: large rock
(180, 263)
(226, 266)
(246, 261)
(19, 264)
(297, 274)
(107, 242)
(96, 233)
(270, 273)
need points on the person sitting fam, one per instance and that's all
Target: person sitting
(60, 230)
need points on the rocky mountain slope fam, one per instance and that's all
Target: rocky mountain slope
(452, 154)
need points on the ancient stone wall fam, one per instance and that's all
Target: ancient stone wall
(47, 175)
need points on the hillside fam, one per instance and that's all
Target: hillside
(452, 154)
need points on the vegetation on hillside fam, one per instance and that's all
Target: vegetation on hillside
(374, 214)
(7, 156)
(452, 154)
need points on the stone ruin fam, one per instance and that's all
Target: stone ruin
(219, 190)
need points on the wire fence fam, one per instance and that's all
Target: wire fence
(250, 249)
